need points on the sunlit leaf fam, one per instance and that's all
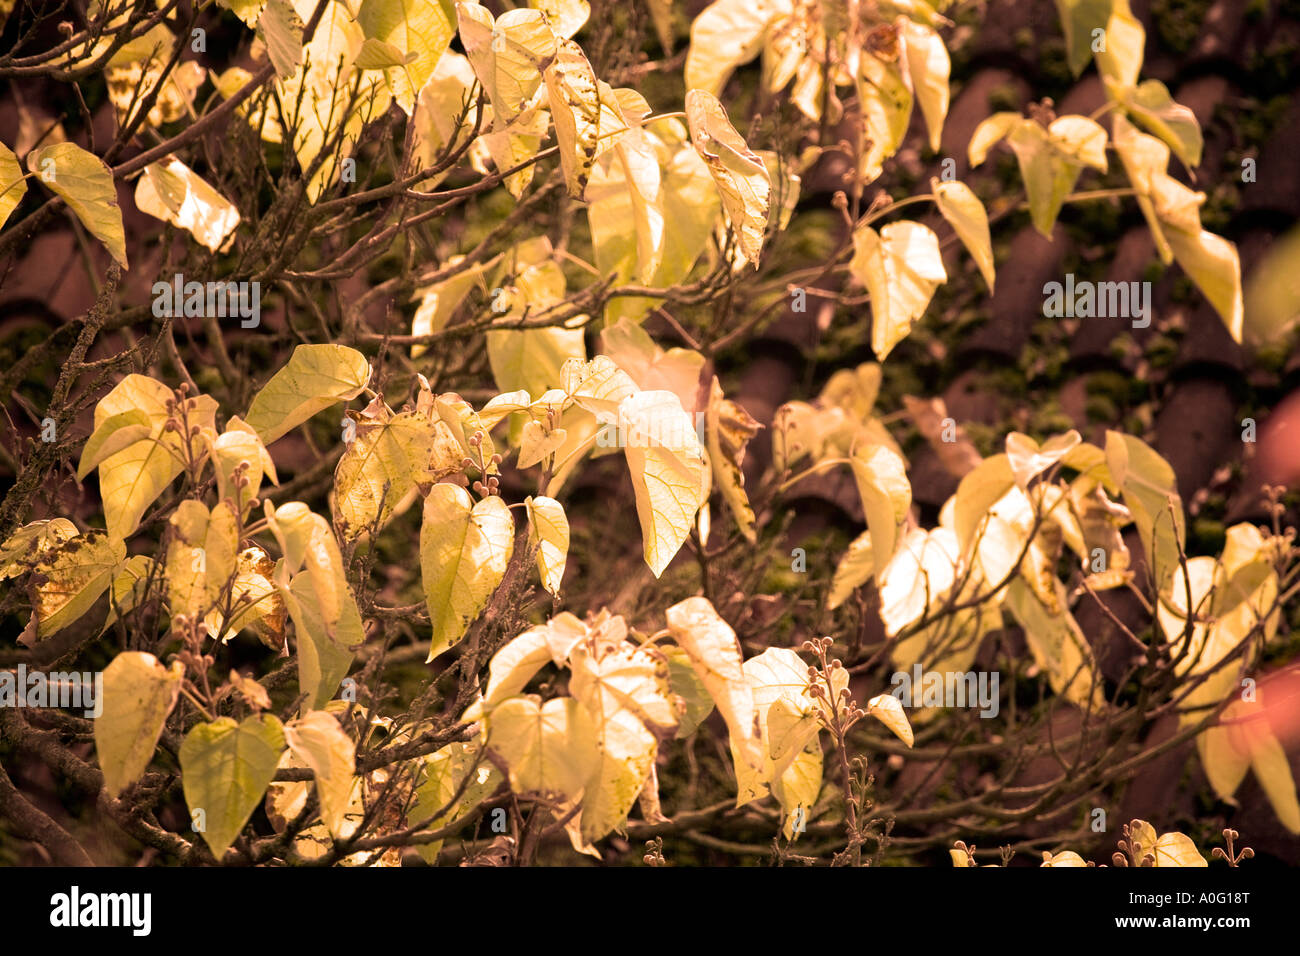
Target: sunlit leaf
(139, 693)
(83, 181)
(715, 654)
(666, 462)
(881, 477)
(174, 193)
(901, 267)
(225, 769)
(316, 377)
(508, 54)
(464, 550)
(12, 184)
(739, 174)
(928, 66)
(319, 742)
(68, 580)
(549, 748)
(725, 35)
(419, 30)
(965, 213)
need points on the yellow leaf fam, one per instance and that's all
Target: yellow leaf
(1028, 459)
(201, 558)
(1120, 58)
(626, 757)
(625, 690)
(1273, 771)
(1051, 160)
(1213, 264)
(1064, 858)
(83, 181)
(536, 443)
(798, 787)
(979, 490)
(1151, 105)
(316, 377)
(326, 639)
(174, 193)
(293, 525)
(901, 267)
(855, 569)
(318, 741)
(530, 358)
(1150, 492)
(965, 213)
(12, 184)
(129, 586)
(236, 451)
(741, 178)
(549, 748)
(380, 468)
(666, 462)
(512, 668)
(989, 132)
(576, 108)
(1078, 19)
(928, 66)
(516, 143)
(881, 477)
(225, 770)
(445, 112)
(728, 429)
(726, 34)
(917, 578)
(319, 599)
(548, 530)
(131, 479)
(139, 693)
(689, 689)
(715, 655)
(69, 580)
(313, 104)
(886, 103)
(464, 550)
(888, 709)
(508, 54)
(1272, 295)
(1177, 849)
(21, 550)
(1243, 741)
(280, 28)
(445, 789)
(676, 370)
(256, 602)
(419, 30)
(786, 712)
(624, 678)
(438, 302)
(566, 17)
(1057, 644)
(116, 433)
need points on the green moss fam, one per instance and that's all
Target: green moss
(1178, 22)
